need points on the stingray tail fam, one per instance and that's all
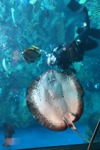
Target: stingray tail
(79, 134)
(72, 126)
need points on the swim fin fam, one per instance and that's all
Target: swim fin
(74, 5)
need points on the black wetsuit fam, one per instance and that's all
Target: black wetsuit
(74, 50)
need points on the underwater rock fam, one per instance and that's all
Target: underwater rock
(55, 97)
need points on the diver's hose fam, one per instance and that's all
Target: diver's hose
(43, 51)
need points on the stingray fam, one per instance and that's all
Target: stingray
(56, 100)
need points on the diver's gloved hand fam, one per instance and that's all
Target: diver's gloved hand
(31, 54)
(51, 60)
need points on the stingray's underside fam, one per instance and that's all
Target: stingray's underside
(53, 96)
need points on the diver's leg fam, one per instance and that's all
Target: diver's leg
(95, 33)
(91, 44)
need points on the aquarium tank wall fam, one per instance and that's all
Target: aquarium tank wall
(43, 103)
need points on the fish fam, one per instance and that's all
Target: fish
(4, 64)
(31, 54)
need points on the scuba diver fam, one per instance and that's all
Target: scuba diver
(65, 55)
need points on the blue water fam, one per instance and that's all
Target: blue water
(46, 24)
